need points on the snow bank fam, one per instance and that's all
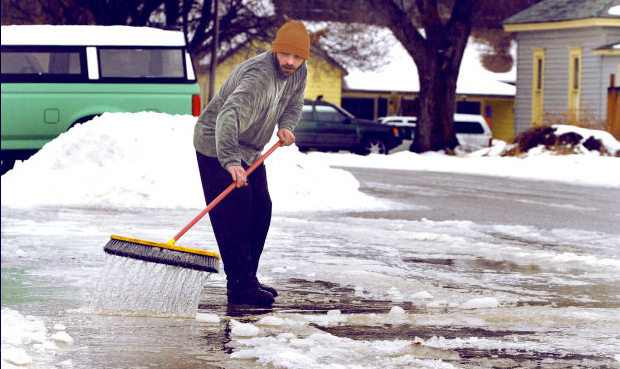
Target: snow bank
(589, 169)
(27, 336)
(148, 160)
(607, 140)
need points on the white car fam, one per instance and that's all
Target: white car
(472, 130)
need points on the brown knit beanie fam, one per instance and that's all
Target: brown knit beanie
(292, 38)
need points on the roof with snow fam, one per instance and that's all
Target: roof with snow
(89, 36)
(565, 10)
(401, 75)
(614, 46)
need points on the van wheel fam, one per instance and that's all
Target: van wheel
(9, 157)
(373, 145)
(82, 120)
(6, 165)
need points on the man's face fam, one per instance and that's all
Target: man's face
(288, 63)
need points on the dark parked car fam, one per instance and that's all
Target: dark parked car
(328, 127)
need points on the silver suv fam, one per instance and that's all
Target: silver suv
(472, 130)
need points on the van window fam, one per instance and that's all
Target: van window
(29, 64)
(468, 127)
(141, 63)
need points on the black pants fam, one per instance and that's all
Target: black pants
(240, 221)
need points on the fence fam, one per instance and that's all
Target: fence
(613, 108)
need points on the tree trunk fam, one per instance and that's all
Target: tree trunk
(438, 73)
(435, 34)
(438, 58)
(438, 68)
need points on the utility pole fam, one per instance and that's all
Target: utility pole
(214, 46)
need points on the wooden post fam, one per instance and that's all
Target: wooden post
(613, 108)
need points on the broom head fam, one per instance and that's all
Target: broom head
(162, 253)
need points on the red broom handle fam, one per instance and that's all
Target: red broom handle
(221, 196)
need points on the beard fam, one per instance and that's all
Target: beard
(284, 70)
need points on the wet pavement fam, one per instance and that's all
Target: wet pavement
(433, 283)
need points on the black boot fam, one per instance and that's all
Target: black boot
(269, 289)
(248, 294)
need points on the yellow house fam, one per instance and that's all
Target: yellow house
(357, 94)
(394, 90)
(324, 74)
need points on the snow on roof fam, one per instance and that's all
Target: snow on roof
(609, 47)
(90, 36)
(401, 75)
(547, 11)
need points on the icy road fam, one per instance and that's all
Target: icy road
(462, 272)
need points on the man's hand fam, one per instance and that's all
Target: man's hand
(286, 137)
(238, 175)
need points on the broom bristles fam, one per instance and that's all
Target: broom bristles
(162, 253)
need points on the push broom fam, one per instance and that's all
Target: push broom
(170, 254)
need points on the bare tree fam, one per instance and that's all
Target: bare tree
(101, 12)
(354, 45)
(434, 33)
(241, 21)
(437, 45)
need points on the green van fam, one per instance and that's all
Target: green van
(54, 77)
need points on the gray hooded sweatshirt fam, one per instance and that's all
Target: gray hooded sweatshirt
(241, 118)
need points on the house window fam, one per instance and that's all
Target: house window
(468, 107)
(538, 86)
(574, 85)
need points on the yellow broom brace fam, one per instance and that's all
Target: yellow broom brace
(166, 246)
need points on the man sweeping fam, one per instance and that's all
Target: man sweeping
(262, 93)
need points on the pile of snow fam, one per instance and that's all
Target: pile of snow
(607, 140)
(238, 329)
(147, 160)
(564, 140)
(296, 342)
(23, 336)
(589, 168)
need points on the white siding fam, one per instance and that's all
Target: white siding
(595, 71)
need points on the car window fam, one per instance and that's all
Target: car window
(306, 114)
(40, 65)
(141, 63)
(468, 127)
(330, 114)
